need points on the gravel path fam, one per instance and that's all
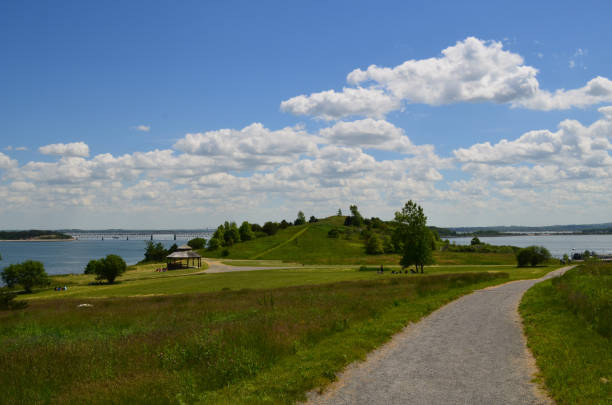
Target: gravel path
(471, 351)
(215, 266)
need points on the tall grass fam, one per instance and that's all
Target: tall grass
(587, 292)
(184, 348)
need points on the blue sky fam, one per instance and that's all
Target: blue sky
(97, 100)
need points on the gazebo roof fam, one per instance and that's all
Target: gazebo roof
(183, 248)
(185, 254)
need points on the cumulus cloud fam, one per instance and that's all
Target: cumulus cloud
(368, 133)
(74, 149)
(332, 105)
(6, 162)
(252, 147)
(472, 70)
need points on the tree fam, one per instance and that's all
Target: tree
(231, 234)
(246, 233)
(155, 252)
(270, 228)
(27, 274)
(412, 236)
(284, 224)
(107, 268)
(374, 245)
(312, 219)
(214, 244)
(339, 213)
(475, 241)
(197, 243)
(219, 233)
(355, 219)
(532, 255)
(301, 219)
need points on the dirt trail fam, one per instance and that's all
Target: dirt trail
(215, 266)
(471, 351)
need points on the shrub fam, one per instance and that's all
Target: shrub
(475, 241)
(107, 268)
(374, 245)
(225, 253)
(333, 233)
(532, 255)
(270, 228)
(213, 244)
(197, 243)
(7, 300)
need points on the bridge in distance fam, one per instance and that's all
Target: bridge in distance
(139, 235)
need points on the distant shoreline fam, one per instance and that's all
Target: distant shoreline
(38, 240)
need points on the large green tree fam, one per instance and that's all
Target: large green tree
(246, 233)
(412, 237)
(27, 274)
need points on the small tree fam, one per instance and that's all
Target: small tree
(374, 245)
(214, 244)
(532, 255)
(27, 274)
(339, 213)
(312, 219)
(246, 233)
(109, 268)
(475, 241)
(413, 236)
(155, 252)
(197, 243)
(301, 219)
(355, 219)
(270, 228)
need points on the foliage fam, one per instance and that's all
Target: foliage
(270, 228)
(355, 219)
(27, 274)
(7, 300)
(301, 219)
(197, 243)
(214, 244)
(374, 245)
(231, 233)
(284, 224)
(32, 234)
(532, 255)
(155, 252)
(475, 241)
(312, 219)
(587, 292)
(333, 233)
(107, 268)
(413, 236)
(246, 233)
(339, 213)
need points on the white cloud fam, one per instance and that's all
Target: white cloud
(142, 128)
(472, 70)
(74, 149)
(6, 162)
(331, 105)
(368, 133)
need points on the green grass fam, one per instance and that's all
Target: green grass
(575, 361)
(249, 347)
(309, 244)
(145, 281)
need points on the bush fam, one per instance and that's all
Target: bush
(333, 233)
(475, 241)
(532, 255)
(374, 246)
(214, 244)
(108, 268)
(7, 300)
(225, 253)
(197, 243)
(270, 228)
(27, 274)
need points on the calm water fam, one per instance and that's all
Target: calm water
(72, 256)
(558, 245)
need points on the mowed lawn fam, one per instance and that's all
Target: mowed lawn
(144, 280)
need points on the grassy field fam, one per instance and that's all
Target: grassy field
(309, 244)
(248, 346)
(567, 323)
(143, 280)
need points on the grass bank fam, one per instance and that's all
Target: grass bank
(567, 323)
(144, 280)
(249, 346)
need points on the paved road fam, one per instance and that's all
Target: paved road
(471, 351)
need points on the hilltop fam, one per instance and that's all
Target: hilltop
(311, 244)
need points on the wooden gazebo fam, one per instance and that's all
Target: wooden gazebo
(182, 257)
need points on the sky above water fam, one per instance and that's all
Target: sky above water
(145, 114)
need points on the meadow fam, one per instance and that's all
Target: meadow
(567, 322)
(246, 346)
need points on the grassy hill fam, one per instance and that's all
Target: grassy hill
(310, 244)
